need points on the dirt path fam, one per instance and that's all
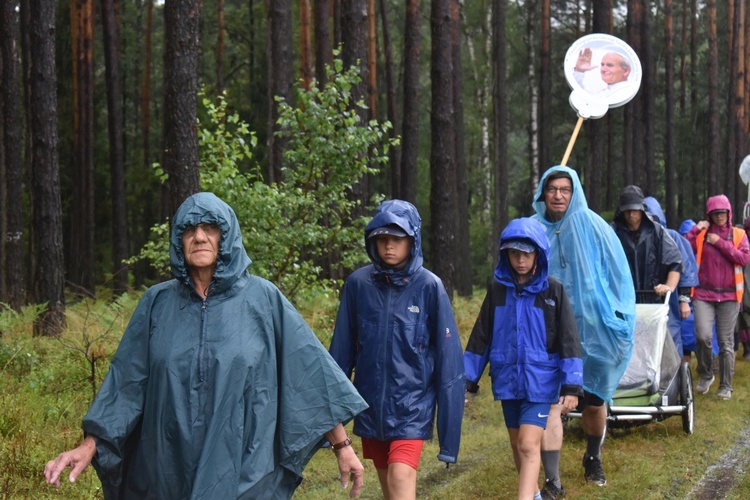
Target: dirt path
(721, 477)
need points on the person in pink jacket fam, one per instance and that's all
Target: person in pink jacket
(721, 253)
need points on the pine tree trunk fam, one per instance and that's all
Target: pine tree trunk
(670, 132)
(410, 124)
(354, 31)
(83, 227)
(279, 78)
(500, 121)
(714, 129)
(47, 242)
(14, 287)
(394, 159)
(545, 88)
(736, 124)
(372, 60)
(305, 50)
(181, 160)
(463, 243)
(443, 194)
(120, 244)
(323, 53)
(220, 47)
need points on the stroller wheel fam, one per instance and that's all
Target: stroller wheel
(687, 399)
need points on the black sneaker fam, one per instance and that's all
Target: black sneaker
(593, 470)
(551, 491)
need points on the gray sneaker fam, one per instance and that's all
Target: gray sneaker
(704, 385)
(725, 394)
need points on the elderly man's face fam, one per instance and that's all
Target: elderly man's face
(612, 70)
(200, 245)
(557, 195)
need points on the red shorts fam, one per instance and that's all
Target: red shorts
(382, 453)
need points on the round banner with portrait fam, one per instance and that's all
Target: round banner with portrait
(603, 71)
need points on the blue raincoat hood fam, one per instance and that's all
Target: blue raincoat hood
(530, 231)
(404, 215)
(686, 226)
(654, 209)
(232, 260)
(587, 257)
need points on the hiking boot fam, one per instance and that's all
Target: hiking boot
(725, 394)
(593, 470)
(551, 491)
(704, 385)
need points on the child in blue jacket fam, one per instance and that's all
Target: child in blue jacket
(526, 331)
(396, 331)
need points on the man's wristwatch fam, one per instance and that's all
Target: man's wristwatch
(343, 444)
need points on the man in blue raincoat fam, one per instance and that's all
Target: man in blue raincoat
(587, 257)
(218, 388)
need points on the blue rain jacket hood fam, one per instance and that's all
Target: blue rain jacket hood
(686, 226)
(529, 231)
(404, 215)
(223, 397)
(396, 332)
(587, 257)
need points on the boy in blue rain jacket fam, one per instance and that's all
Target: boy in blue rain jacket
(396, 331)
(527, 333)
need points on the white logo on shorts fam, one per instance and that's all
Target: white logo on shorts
(542, 416)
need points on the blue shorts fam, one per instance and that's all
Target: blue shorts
(519, 412)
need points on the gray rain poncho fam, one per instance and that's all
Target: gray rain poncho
(227, 397)
(587, 257)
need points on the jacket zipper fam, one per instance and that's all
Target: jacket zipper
(202, 342)
(385, 361)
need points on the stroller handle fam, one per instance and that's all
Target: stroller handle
(652, 292)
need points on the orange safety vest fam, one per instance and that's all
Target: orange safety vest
(739, 277)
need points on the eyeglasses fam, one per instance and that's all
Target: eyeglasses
(209, 229)
(565, 190)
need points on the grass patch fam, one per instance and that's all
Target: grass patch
(45, 389)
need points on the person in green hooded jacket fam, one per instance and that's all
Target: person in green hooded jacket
(218, 388)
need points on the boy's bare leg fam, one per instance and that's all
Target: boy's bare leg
(528, 444)
(398, 481)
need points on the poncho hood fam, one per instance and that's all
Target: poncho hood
(404, 215)
(232, 260)
(529, 231)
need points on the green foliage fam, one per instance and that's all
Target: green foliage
(11, 320)
(290, 228)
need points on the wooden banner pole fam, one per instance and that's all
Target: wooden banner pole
(572, 141)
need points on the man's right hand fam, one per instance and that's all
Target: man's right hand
(77, 459)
